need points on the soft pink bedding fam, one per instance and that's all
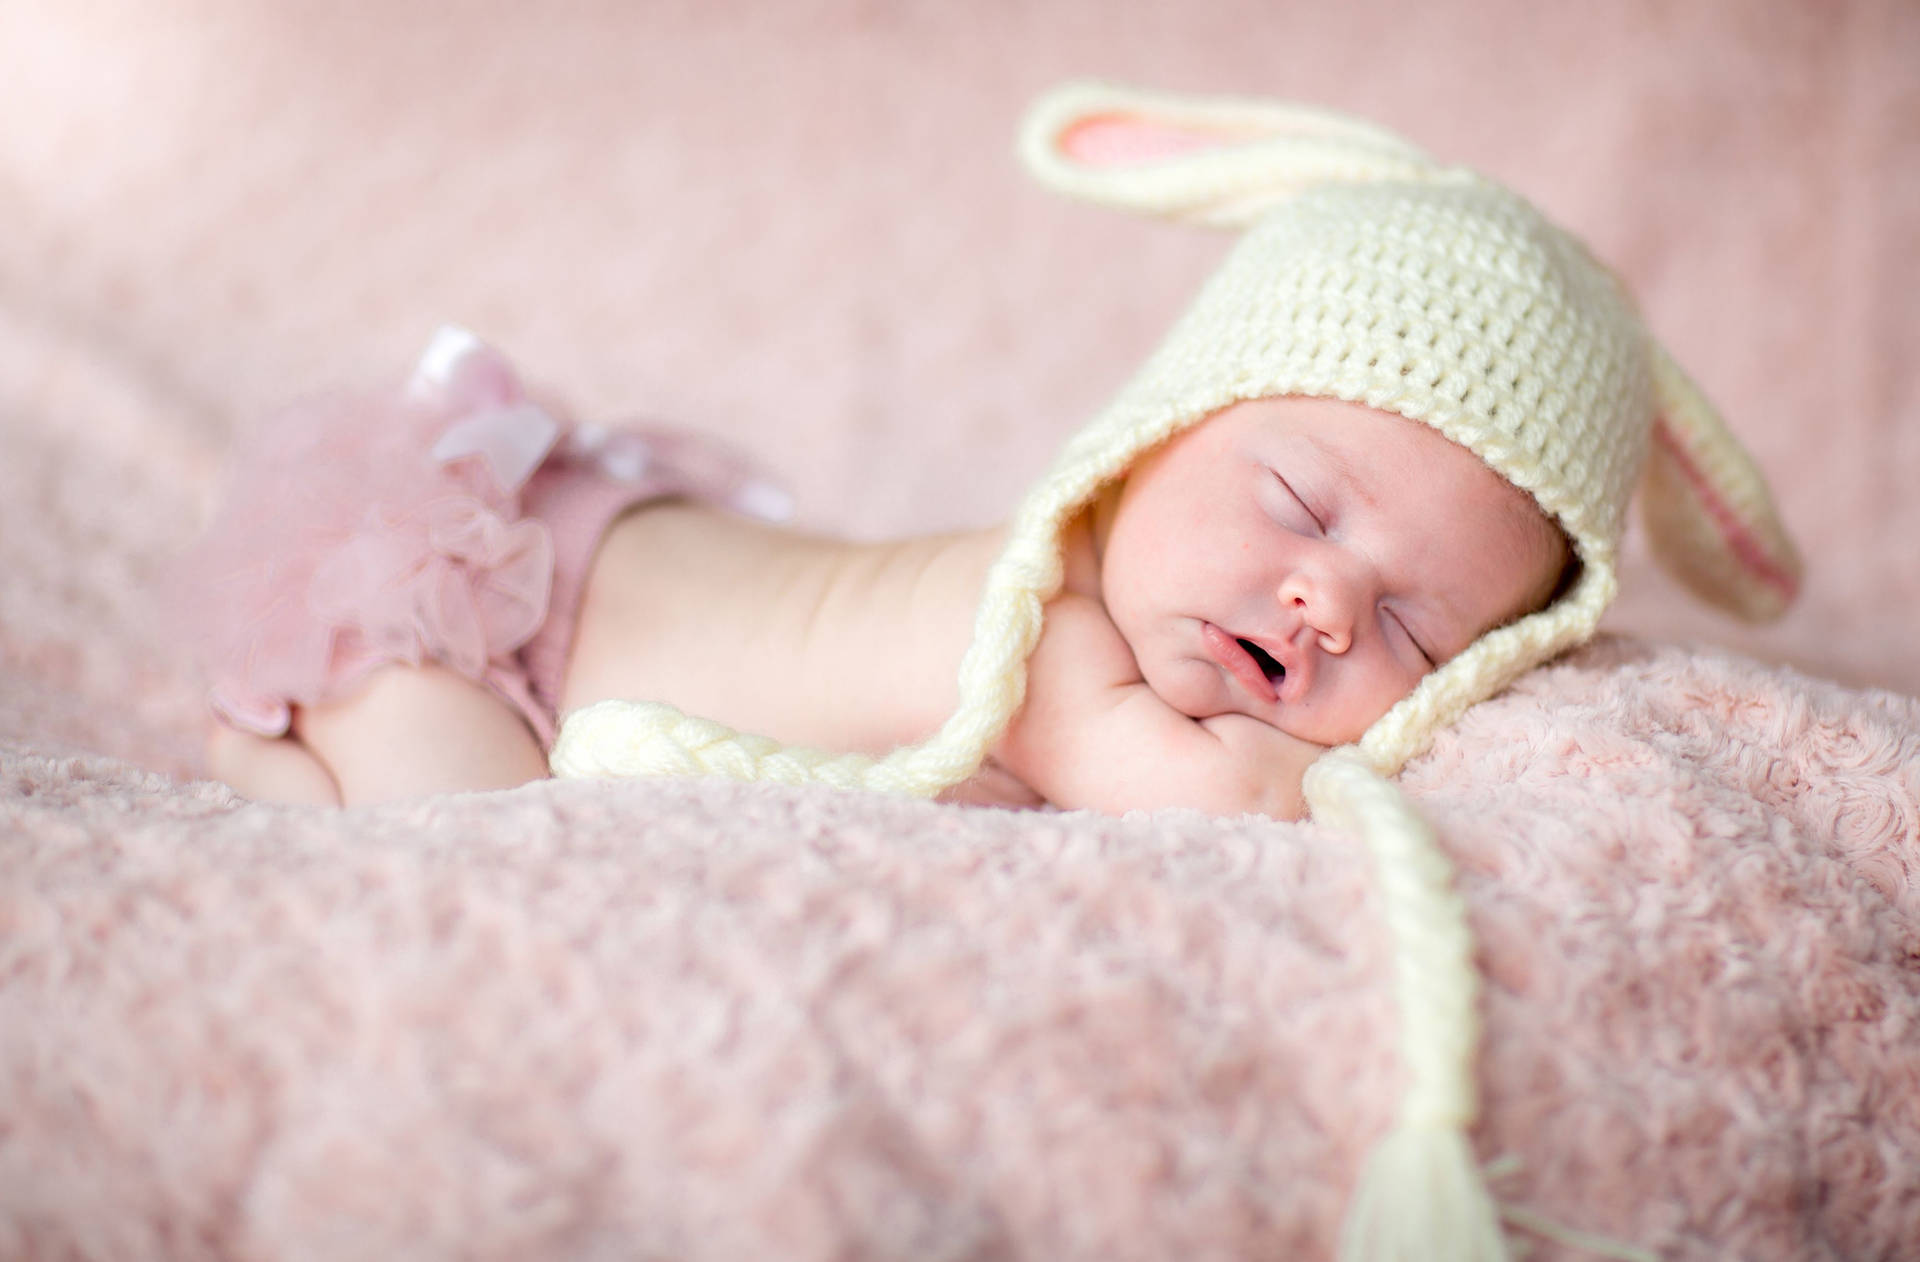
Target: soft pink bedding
(697, 1020)
(694, 1020)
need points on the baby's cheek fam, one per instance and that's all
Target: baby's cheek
(1180, 684)
(1364, 695)
(1397, 684)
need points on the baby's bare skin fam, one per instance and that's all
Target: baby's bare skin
(811, 641)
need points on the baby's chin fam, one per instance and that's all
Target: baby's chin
(1202, 690)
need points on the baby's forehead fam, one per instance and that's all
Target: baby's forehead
(1382, 459)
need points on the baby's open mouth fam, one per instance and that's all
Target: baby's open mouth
(1273, 670)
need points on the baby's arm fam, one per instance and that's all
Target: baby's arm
(1092, 734)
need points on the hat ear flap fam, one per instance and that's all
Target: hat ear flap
(1221, 161)
(1709, 517)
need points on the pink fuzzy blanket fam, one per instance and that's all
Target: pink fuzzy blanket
(697, 1020)
(694, 1020)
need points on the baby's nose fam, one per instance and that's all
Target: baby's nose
(1325, 601)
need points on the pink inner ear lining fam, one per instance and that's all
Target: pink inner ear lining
(1747, 549)
(1118, 140)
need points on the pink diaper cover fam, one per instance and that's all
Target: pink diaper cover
(450, 520)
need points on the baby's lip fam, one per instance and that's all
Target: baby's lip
(1295, 665)
(1225, 649)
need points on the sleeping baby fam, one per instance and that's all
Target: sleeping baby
(1265, 585)
(1377, 470)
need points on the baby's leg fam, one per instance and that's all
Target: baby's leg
(268, 769)
(413, 731)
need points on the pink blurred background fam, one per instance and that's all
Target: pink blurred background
(800, 224)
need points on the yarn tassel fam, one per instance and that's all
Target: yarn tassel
(1422, 1196)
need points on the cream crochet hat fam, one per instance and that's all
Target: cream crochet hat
(1368, 272)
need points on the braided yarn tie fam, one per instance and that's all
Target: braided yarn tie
(647, 738)
(1421, 1194)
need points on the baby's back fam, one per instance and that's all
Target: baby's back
(808, 640)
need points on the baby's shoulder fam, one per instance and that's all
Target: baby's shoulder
(1079, 644)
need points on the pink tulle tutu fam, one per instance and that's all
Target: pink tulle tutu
(450, 520)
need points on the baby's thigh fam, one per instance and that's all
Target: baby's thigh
(269, 769)
(412, 731)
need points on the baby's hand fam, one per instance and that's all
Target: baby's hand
(1091, 734)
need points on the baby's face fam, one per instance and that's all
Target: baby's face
(1306, 562)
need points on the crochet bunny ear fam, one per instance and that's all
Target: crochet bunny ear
(1707, 512)
(1221, 161)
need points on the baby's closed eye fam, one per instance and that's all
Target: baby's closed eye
(1399, 626)
(1289, 506)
